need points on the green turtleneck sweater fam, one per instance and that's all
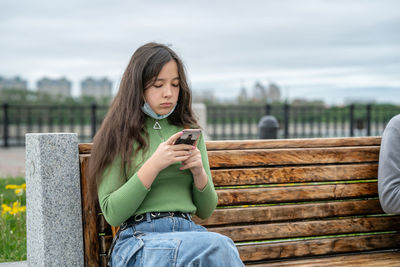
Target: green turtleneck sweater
(172, 190)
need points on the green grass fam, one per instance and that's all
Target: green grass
(13, 227)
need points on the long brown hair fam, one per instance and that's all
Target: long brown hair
(124, 123)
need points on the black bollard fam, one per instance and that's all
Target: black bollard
(268, 127)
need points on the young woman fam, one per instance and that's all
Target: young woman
(146, 183)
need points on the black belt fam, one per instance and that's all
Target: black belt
(155, 215)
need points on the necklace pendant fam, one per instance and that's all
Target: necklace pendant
(157, 126)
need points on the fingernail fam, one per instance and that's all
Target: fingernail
(180, 133)
(193, 147)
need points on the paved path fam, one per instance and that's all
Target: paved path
(14, 264)
(12, 162)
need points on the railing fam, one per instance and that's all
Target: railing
(241, 122)
(17, 120)
(223, 122)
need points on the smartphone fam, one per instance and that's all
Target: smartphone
(189, 137)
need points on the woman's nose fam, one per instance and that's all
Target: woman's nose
(167, 91)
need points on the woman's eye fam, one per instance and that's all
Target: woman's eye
(157, 85)
(175, 85)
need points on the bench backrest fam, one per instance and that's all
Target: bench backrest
(283, 199)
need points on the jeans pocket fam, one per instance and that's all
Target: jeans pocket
(160, 252)
(124, 254)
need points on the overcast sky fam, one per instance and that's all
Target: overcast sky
(330, 50)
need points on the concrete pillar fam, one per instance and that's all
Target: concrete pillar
(53, 200)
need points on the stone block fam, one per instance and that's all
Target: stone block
(53, 197)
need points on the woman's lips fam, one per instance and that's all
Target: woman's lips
(166, 105)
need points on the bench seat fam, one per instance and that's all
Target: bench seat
(294, 202)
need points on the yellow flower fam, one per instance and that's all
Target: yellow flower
(14, 186)
(5, 208)
(19, 191)
(11, 186)
(14, 209)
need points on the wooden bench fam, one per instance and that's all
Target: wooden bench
(307, 202)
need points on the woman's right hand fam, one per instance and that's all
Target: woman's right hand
(167, 153)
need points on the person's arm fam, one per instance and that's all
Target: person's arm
(119, 199)
(389, 168)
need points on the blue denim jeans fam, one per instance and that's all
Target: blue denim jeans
(173, 241)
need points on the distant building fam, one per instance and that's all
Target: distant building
(54, 87)
(14, 83)
(274, 93)
(203, 96)
(263, 93)
(96, 88)
(259, 92)
(243, 95)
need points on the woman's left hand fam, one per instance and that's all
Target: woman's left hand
(195, 165)
(194, 162)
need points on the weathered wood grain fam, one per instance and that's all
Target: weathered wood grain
(267, 157)
(283, 250)
(382, 259)
(297, 174)
(308, 228)
(105, 243)
(85, 148)
(291, 212)
(293, 143)
(287, 194)
(89, 220)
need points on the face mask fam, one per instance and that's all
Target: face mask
(147, 110)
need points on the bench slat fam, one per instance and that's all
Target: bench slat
(85, 148)
(303, 248)
(309, 228)
(105, 243)
(89, 220)
(287, 194)
(103, 260)
(274, 175)
(364, 260)
(307, 156)
(291, 212)
(293, 143)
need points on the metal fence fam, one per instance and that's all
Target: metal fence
(241, 122)
(17, 120)
(223, 122)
